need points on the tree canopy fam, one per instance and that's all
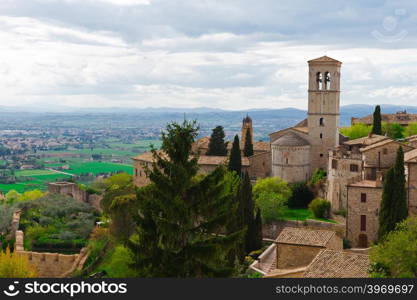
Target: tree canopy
(217, 145)
(181, 220)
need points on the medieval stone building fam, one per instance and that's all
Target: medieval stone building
(299, 150)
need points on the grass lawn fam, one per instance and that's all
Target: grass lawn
(302, 214)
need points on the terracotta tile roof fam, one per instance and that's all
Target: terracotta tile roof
(364, 183)
(307, 237)
(338, 264)
(368, 140)
(411, 156)
(203, 159)
(301, 129)
(383, 143)
(291, 139)
(262, 146)
(402, 118)
(324, 59)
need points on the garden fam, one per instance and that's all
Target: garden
(56, 223)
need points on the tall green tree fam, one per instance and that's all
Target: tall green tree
(217, 146)
(248, 147)
(235, 159)
(252, 237)
(394, 197)
(181, 217)
(377, 123)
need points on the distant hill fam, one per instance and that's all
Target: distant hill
(153, 120)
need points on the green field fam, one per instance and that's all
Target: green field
(38, 179)
(98, 167)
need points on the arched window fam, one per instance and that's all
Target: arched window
(319, 81)
(321, 121)
(327, 80)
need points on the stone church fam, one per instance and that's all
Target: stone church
(299, 150)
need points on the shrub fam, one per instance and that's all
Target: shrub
(273, 185)
(341, 212)
(318, 176)
(272, 206)
(119, 263)
(320, 208)
(13, 265)
(301, 195)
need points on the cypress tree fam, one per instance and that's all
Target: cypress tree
(400, 187)
(217, 146)
(248, 147)
(235, 159)
(181, 218)
(253, 225)
(258, 230)
(377, 122)
(394, 199)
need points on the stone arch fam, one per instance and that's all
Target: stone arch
(327, 80)
(319, 80)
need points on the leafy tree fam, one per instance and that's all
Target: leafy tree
(248, 147)
(377, 121)
(119, 265)
(320, 208)
(393, 130)
(13, 265)
(12, 196)
(396, 255)
(271, 205)
(394, 200)
(119, 203)
(217, 146)
(301, 195)
(181, 219)
(356, 131)
(272, 185)
(411, 130)
(235, 160)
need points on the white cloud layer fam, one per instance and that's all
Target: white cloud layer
(223, 54)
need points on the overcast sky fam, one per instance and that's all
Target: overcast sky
(229, 54)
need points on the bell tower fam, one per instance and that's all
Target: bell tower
(323, 108)
(246, 126)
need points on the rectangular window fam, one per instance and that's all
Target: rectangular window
(363, 197)
(354, 168)
(363, 223)
(385, 151)
(136, 172)
(334, 164)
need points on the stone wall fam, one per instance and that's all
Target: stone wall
(273, 229)
(71, 189)
(412, 187)
(260, 165)
(369, 209)
(291, 163)
(51, 265)
(340, 174)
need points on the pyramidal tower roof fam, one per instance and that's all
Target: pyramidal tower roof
(324, 59)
